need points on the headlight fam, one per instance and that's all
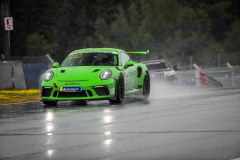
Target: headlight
(106, 74)
(48, 75)
(170, 73)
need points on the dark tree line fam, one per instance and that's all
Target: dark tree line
(167, 28)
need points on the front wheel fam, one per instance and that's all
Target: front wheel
(146, 86)
(50, 102)
(120, 91)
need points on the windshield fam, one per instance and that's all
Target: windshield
(91, 59)
(157, 66)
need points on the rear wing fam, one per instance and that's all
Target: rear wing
(139, 53)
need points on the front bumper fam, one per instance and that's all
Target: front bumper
(104, 89)
(161, 76)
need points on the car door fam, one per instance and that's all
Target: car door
(130, 72)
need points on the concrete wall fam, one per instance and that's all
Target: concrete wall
(33, 73)
(21, 75)
(18, 76)
(6, 75)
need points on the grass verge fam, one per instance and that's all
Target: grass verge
(14, 95)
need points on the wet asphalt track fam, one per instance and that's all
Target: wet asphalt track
(173, 124)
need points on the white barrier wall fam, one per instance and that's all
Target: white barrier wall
(11, 75)
(6, 75)
(18, 76)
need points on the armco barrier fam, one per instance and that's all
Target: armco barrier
(6, 75)
(203, 79)
(212, 82)
(207, 80)
(33, 73)
(196, 78)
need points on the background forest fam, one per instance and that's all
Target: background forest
(169, 28)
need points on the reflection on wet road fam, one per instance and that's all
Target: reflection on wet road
(172, 124)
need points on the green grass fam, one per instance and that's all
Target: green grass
(16, 95)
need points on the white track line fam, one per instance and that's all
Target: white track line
(235, 159)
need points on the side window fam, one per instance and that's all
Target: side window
(163, 65)
(124, 58)
(167, 66)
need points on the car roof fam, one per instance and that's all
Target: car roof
(154, 61)
(98, 49)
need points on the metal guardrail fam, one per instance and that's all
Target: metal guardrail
(197, 78)
(212, 82)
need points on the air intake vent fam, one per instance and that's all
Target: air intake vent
(139, 71)
(102, 91)
(96, 70)
(46, 92)
(55, 93)
(89, 93)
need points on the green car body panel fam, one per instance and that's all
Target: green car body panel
(89, 77)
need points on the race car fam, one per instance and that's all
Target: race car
(162, 70)
(95, 74)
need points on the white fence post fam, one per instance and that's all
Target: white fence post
(232, 70)
(197, 75)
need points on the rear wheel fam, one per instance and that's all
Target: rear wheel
(146, 86)
(50, 102)
(120, 91)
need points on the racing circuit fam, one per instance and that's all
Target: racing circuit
(175, 123)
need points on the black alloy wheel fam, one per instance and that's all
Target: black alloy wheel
(120, 91)
(146, 86)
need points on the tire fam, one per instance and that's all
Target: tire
(50, 102)
(146, 86)
(120, 91)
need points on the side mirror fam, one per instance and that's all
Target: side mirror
(55, 65)
(175, 68)
(128, 64)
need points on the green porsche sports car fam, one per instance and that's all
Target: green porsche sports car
(95, 74)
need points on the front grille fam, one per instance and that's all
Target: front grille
(72, 94)
(102, 91)
(89, 93)
(55, 93)
(159, 75)
(46, 92)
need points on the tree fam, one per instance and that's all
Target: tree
(168, 28)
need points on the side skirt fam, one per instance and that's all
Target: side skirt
(134, 91)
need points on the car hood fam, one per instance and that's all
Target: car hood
(78, 73)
